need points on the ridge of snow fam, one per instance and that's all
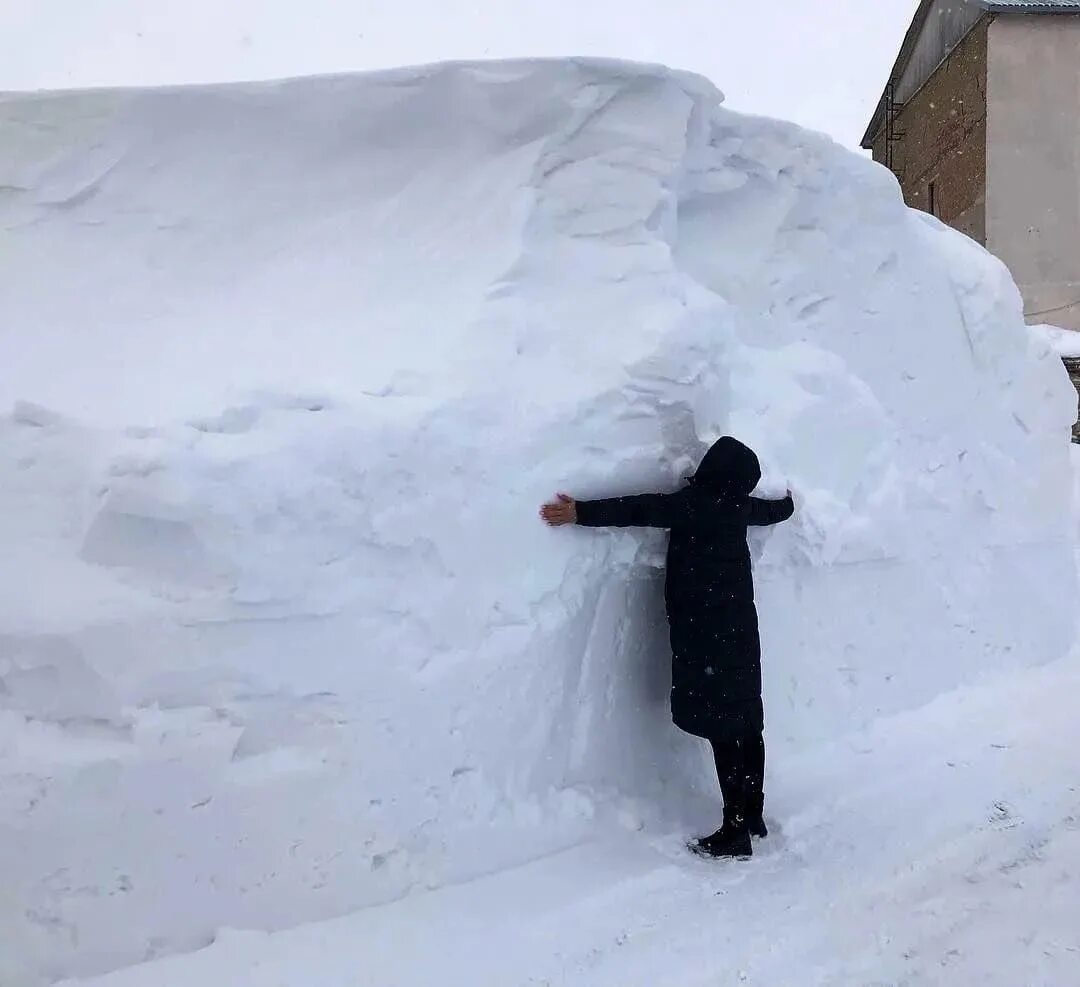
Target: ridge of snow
(280, 635)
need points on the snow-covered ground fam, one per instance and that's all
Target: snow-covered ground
(939, 847)
(291, 366)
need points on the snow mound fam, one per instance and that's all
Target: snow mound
(292, 366)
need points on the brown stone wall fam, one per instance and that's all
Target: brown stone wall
(944, 140)
(878, 147)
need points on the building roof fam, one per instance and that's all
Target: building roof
(919, 22)
(1031, 6)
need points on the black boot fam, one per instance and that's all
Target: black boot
(733, 838)
(730, 840)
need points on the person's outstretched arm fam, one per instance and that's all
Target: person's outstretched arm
(764, 512)
(641, 511)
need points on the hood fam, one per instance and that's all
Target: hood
(729, 467)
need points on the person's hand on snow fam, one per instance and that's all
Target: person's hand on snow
(563, 511)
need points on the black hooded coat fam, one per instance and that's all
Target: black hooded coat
(709, 589)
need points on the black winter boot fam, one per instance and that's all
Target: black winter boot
(730, 840)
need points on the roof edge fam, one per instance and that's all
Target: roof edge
(918, 22)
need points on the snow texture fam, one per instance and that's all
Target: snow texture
(291, 366)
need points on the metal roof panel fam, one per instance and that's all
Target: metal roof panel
(1032, 6)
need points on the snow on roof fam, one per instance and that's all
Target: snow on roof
(1064, 342)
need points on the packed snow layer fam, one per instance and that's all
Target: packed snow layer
(291, 366)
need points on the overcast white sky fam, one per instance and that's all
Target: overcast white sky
(821, 63)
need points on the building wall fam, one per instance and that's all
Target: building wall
(947, 24)
(1033, 162)
(944, 142)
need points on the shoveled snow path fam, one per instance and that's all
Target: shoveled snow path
(939, 846)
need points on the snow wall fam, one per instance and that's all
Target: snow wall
(289, 368)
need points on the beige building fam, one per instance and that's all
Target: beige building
(980, 122)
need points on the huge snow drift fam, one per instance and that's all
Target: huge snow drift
(291, 366)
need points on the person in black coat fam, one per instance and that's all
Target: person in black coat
(709, 592)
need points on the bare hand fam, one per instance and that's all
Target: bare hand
(564, 511)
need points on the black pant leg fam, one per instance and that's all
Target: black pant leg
(755, 772)
(732, 773)
(724, 757)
